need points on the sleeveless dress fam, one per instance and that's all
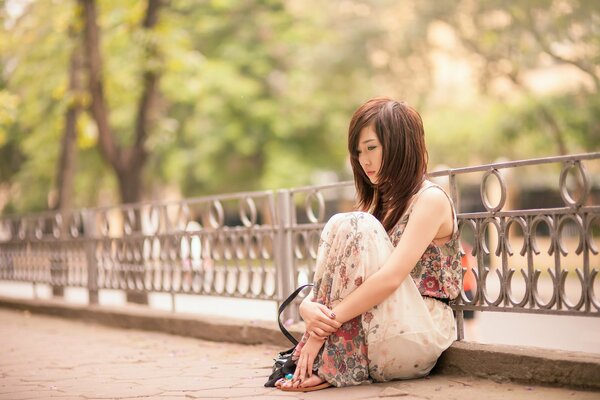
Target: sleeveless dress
(402, 337)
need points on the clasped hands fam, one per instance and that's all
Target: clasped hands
(320, 323)
(319, 319)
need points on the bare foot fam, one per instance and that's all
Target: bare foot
(314, 380)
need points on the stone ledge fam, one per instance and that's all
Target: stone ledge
(141, 317)
(522, 364)
(495, 362)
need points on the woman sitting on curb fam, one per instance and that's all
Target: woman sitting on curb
(384, 275)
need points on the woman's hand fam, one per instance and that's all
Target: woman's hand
(318, 318)
(304, 364)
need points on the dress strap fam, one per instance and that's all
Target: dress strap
(430, 185)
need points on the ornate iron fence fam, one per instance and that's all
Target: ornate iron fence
(262, 245)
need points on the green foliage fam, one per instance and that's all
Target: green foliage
(258, 93)
(244, 87)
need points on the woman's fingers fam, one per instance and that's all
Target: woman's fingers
(300, 371)
(328, 326)
(326, 318)
(320, 333)
(309, 365)
(297, 371)
(302, 374)
(326, 310)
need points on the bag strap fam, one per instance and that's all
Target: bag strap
(283, 306)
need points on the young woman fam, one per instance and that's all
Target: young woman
(384, 275)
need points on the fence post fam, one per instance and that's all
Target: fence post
(90, 240)
(459, 314)
(284, 262)
(58, 263)
(57, 272)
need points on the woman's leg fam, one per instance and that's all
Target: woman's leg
(352, 247)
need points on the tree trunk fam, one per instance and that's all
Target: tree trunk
(68, 155)
(556, 131)
(127, 163)
(130, 184)
(65, 174)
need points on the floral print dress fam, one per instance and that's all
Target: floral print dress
(403, 336)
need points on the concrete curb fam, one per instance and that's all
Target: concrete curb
(496, 362)
(529, 365)
(148, 319)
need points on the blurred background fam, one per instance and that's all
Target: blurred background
(104, 102)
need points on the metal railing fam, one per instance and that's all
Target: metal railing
(262, 245)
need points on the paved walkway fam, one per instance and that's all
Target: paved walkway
(45, 358)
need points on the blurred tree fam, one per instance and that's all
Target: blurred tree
(223, 95)
(33, 58)
(65, 175)
(253, 99)
(127, 161)
(512, 40)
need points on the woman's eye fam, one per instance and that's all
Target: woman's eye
(371, 148)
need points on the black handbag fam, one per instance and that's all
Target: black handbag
(283, 362)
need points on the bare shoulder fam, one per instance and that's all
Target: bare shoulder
(432, 200)
(433, 207)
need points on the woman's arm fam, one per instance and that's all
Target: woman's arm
(318, 318)
(429, 214)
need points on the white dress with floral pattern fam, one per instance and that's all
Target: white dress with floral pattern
(400, 338)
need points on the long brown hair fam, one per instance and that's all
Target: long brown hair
(399, 129)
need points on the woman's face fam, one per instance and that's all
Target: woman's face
(370, 152)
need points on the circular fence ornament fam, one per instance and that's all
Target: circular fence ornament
(484, 292)
(592, 225)
(266, 246)
(248, 212)
(509, 288)
(104, 224)
(130, 222)
(484, 190)
(300, 245)
(57, 226)
(592, 289)
(533, 233)
(216, 214)
(522, 224)
(75, 224)
(22, 229)
(39, 228)
(183, 216)
(152, 221)
(570, 226)
(585, 184)
(310, 214)
(581, 290)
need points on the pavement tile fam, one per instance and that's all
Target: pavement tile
(7, 390)
(229, 392)
(190, 384)
(52, 358)
(117, 391)
(174, 395)
(251, 382)
(25, 395)
(366, 391)
(275, 396)
(51, 376)
(164, 397)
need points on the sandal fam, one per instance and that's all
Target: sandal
(320, 386)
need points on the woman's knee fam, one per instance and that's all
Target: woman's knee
(352, 218)
(357, 220)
